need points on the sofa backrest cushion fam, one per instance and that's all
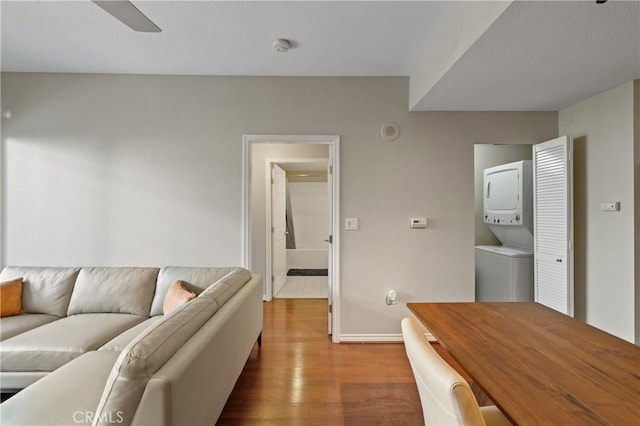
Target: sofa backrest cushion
(113, 290)
(141, 358)
(44, 290)
(195, 279)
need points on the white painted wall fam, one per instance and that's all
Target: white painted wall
(486, 156)
(147, 170)
(603, 131)
(310, 210)
(308, 258)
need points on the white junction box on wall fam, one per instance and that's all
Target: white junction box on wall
(418, 223)
(610, 206)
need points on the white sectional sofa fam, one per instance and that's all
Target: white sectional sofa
(94, 347)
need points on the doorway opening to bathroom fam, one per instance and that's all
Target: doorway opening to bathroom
(298, 200)
(290, 216)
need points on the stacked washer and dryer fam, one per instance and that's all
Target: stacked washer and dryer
(504, 273)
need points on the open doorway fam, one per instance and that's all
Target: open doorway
(299, 201)
(528, 206)
(504, 266)
(268, 158)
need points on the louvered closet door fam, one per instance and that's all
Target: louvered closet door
(553, 224)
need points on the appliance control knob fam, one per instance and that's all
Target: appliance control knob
(517, 217)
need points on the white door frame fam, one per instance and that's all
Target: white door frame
(334, 249)
(268, 282)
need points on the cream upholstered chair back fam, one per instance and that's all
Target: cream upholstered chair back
(446, 397)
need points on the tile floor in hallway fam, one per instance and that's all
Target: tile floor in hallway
(304, 288)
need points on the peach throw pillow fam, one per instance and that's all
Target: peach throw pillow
(176, 296)
(11, 298)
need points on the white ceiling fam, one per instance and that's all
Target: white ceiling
(534, 56)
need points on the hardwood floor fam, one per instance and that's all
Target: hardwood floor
(299, 377)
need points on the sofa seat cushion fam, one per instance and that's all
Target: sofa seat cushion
(52, 345)
(67, 396)
(119, 342)
(12, 326)
(44, 290)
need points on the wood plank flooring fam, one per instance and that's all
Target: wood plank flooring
(299, 377)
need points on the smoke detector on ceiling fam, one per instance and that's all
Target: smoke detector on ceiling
(281, 45)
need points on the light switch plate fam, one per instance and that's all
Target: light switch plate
(352, 224)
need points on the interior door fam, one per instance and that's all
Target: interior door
(553, 224)
(330, 245)
(278, 227)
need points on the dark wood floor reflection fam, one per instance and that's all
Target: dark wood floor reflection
(299, 377)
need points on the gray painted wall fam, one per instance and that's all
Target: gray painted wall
(146, 170)
(602, 128)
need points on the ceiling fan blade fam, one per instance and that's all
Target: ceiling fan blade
(129, 15)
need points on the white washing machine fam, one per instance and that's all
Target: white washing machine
(504, 274)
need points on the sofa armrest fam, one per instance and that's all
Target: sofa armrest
(196, 382)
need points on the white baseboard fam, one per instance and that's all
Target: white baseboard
(377, 338)
(370, 338)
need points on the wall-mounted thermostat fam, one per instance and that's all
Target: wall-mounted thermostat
(418, 223)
